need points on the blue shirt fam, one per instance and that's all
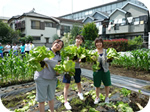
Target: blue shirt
(1, 47)
(22, 48)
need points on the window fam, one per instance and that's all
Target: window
(36, 38)
(35, 24)
(79, 15)
(119, 5)
(100, 9)
(65, 29)
(108, 7)
(48, 24)
(86, 13)
(90, 12)
(114, 6)
(11, 25)
(103, 9)
(136, 21)
(123, 21)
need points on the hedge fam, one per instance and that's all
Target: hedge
(118, 44)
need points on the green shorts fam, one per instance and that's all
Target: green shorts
(101, 76)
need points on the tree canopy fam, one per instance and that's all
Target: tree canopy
(7, 34)
(89, 31)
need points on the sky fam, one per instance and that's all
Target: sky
(9, 8)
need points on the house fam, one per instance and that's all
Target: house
(65, 25)
(4, 19)
(98, 18)
(129, 21)
(42, 28)
(106, 8)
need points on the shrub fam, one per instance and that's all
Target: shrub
(135, 43)
(118, 44)
(89, 31)
(76, 30)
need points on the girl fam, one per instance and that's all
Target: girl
(103, 74)
(79, 40)
(46, 79)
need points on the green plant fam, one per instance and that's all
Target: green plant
(60, 98)
(125, 92)
(68, 39)
(93, 110)
(55, 37)
(135, 43)
(89, 31)
(76, 30)
(123, 107)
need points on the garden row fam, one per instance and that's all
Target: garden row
(15, 69)
(137, 59)
(121, 100)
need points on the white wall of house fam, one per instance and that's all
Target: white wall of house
(48, 32)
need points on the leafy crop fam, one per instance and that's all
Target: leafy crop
(125, 92)
(38, 54)
(68, 66)
(112, 53)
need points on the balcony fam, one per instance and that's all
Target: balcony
(20, 25)
(126, 29)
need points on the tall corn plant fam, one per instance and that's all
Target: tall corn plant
(14, 69)
(139, 59)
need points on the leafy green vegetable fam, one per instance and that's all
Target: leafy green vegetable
(38, 54)
(125, 92)
(112, 53)
(81, 52)
(69, 51)
(68, 66)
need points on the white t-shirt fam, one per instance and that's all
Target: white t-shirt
(15, 48)
(31, 46)
(7, 48)
(27, 47)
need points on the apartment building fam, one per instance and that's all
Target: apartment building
(106, 8)
(129, 21)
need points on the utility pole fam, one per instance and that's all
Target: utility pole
(72, 9)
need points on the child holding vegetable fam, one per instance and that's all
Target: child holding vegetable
(103, 73)
(79, 40)
(46, 79)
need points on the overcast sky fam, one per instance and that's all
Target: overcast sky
(9, 8)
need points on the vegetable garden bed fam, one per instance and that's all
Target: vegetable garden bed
(120, 98)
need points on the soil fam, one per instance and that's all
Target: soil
(139, 74)
(14, 102)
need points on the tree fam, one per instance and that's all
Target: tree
(7, 34)
(76, 30)
(89, 31)
(26, 39)
(55, 37)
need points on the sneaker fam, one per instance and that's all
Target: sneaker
(96, 100)
(107, 100)
(67, 106)
(81, 96)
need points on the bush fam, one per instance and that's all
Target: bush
(118, 44)
(135, 43)
(89, 31)
(89, 44)
(76, 30)
(67, 39)
(55, 37)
